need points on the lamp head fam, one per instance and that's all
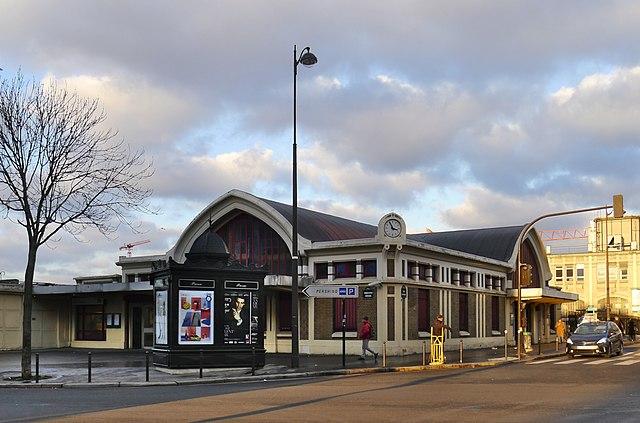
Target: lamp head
(307, 58)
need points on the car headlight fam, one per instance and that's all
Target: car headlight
(569, 341)
(602, 340)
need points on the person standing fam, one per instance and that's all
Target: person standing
(560, 330)
(366, 331)
(439, 325)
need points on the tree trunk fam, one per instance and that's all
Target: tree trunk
(27, 307)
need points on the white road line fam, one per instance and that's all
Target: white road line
(626, 363)
(597, 362)
(549, 360)
(570, 361)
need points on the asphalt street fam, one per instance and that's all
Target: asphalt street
(557, 389)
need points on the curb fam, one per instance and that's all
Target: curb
(257, 378)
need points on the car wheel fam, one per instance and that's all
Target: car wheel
(608, 353)
(621, 350)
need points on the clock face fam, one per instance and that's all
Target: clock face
(392, 228)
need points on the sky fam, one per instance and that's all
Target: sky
(453, 114)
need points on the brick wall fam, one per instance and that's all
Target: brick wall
(323, 318)
(304, 318)
(472, 314)
(412, 311)
(368, 307)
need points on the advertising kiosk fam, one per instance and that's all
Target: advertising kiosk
(209, 310)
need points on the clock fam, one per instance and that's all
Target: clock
(392, 228)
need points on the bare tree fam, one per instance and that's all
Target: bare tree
(59, 169)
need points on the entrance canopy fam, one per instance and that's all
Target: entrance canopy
(543, 295)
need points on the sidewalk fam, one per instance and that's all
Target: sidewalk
(68, 367)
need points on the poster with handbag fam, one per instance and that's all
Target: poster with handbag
(195, 319)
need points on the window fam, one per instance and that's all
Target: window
(569, 274)
(350, 305)
(251, 241)
(144, 277)
(90, 323)
(369, 268)
(624, 273)
(558, 274)
(495, 313)
(601, 272)
(131, 277)
(580, 272)
(391, 268)
(345, 269)
(284, 312)
(403, 272)
(463, 312)
(435, 272)
(423, 310)
(321, 270)
(552, 315)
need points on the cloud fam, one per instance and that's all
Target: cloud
(145, 115)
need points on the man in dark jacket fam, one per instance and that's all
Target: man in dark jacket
(439, 325)
(366, 331)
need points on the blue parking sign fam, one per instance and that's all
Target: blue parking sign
(342, 291)
(351, 291)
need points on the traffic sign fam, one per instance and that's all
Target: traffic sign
(403, 292)
(368, 292)
(331, 291)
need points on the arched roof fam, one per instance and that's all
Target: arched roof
(313, 226)
(495, 243)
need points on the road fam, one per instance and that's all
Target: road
(561, 389)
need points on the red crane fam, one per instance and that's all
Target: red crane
(129, 246)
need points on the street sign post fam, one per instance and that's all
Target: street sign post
(335, 291)
(331, 291)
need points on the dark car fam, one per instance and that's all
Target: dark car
(596, 338)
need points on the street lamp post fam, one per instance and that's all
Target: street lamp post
(307, 59)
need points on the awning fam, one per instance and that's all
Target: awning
(543, 295)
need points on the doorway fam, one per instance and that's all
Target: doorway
(142, 325)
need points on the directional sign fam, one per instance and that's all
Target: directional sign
(331, 291)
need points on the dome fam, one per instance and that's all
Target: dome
(209, 244)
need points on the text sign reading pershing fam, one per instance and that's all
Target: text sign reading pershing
(331, 291)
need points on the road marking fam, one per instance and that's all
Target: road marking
(549, 360)
(570, 361)
(627, 363)
(597, 362)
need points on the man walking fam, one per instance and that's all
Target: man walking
(366, 331)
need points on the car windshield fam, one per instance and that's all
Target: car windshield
(591, 328)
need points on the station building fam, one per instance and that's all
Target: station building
(404, 281)
(616, 240)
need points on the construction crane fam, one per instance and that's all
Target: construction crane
(563, 234)
(129, 246)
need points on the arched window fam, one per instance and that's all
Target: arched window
(252, 242)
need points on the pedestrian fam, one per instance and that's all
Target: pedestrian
(366, 332)
(560, 330)
(632, 330)
(439, 325)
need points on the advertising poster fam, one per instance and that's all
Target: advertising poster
(195, 318)
(240, 317)
(161, 317)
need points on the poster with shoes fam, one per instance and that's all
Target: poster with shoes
(195, 317)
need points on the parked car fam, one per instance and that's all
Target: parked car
(596, 338)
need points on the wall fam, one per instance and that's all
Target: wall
(113, 303)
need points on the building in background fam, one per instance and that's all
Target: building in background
(584, 272)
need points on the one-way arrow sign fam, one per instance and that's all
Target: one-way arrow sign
(331, 291)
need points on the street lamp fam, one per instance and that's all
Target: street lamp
(518, 269)
(307, 59)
